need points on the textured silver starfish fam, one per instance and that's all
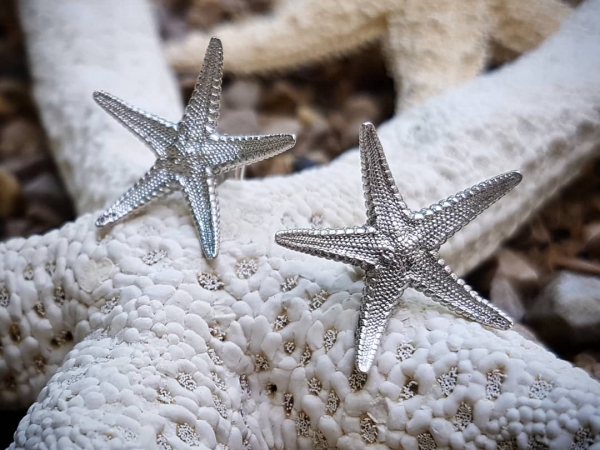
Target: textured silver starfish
(190, 153)
(398, 248)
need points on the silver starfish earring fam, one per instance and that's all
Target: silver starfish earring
(191, 153)
(398, 248)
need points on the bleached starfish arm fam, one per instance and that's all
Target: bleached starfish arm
(202, 111)
(152, 389)
(432, 276)
(519, 25)
(245, 150)
(76, 47)
(431, 47)
(440, 221)
(48, 284)
(299, 33)
(474, 132)
(154, 373)
(199, 191)
(383, 287)
(157, 133)
(155, 183)
(359, 246)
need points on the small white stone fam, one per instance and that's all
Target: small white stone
(439, 324)
(330, 428)
(314, 336)
(174, 314)
(169, 277)
(94, 400)
(514, 428)
(483, 412)
(572, 426)
(358, 403)
(269, 287)
(314, 407)
(175, 331)
(441, 430)
(457, 440)
(471, 432)
(91, 273)
(131, 335)
(260, 328)
(142, 323)
(118, 322)
(160, 292)
(425, 376)
(419, 423)
(525, 414)
(390, 390)
(130, 265)
(233, 356)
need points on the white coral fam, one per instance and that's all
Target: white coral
(149, 373)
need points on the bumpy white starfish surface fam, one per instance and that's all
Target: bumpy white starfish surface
(142, 343)
(190, 153)
(430, 45)
(398, 248)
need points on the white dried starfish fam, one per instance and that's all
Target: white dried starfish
(430, 45)
(256, 348)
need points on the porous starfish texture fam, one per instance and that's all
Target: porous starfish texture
(257, 347)
(430, 45)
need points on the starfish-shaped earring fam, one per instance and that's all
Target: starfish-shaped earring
(398, 248)
(190, 153)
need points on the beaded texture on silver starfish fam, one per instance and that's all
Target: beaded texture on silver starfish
(191, 153)
(398, 248)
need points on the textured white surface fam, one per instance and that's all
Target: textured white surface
(430, 45)
(81, 47)
(258, 345)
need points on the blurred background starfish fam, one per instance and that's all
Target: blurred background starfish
(429, 46)
(190, 153)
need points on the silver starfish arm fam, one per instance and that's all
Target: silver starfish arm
(382, 289)
(431, 276)
(384, 203)
(442, 220)
(199, 190)
(243, 150)
(189, 152)
(359, 246)
(201, 114)
(157, 182)
(157, 133)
